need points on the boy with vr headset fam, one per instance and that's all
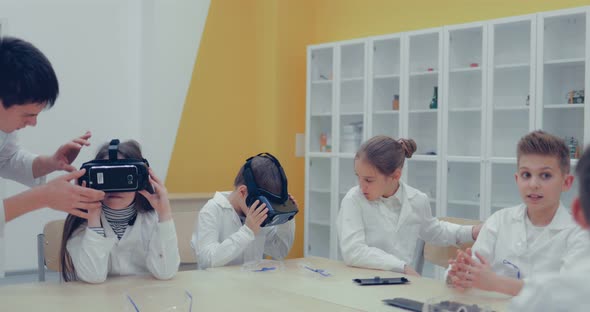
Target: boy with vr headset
(239, 226)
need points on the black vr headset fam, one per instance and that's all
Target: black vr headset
(281, 208)
(117, 175)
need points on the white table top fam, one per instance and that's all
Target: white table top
(231, 289)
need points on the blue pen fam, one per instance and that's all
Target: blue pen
(514, 266)
(264, 269)
(320, 271)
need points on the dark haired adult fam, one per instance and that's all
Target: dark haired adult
(28, 85)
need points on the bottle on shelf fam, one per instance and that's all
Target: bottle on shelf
(395, 102)
(574, 149)
(323, 142)
(434, 101)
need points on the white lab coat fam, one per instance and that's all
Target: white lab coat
(221, 239)
(148, 246)
(15, 164)
(503, 237)
(368, 238)
(565, 291)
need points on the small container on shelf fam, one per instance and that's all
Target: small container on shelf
(395, 102)
(323, 142)
(573, 146)
(434, 101)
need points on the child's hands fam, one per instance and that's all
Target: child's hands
(293, 199)
(255, 216)
(158, 200)
(408, 270)
(455, 268)
(472, 273)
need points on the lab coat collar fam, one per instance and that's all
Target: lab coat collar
(410, 193)
(222, 199)
(561, 220)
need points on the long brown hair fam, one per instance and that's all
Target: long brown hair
(127, 149)
(385, 153)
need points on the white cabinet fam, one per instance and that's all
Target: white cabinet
(465, 93)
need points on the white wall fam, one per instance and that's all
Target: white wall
(124, 68)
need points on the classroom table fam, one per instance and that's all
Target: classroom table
(290, 287)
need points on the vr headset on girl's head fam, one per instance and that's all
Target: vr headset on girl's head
(281, 208)
(117, 175)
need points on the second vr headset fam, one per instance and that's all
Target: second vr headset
(117, 175)
(281, 208)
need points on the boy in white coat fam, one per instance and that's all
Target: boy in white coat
(567, 290)
(381, 219)
(228, 232)
(538, 236)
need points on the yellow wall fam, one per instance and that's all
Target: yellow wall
(247, 93)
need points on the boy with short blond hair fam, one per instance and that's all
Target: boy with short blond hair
(568, 290)
(537, 236)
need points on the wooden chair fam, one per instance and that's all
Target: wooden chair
(440, 255)
(48, 248)
(184, 221)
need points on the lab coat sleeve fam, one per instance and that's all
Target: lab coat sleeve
(538, 294)
(209, 250)
(355, 251)
(578, 247)
(486, 241)
(90, 253)
(163, 257)
(2, 223)
(17, 164)
(280, 239)
(436, 232)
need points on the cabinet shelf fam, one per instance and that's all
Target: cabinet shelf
(464, 202)
(346, 155)
(326, 114)
(421, 111)
(465, 110)
(424, 158)
(465, 70)
(465, 159)
(564, 106)
(503, 160)
(352, 79)
(351, 113)
(512, 66)
(424, 73)
(511, 108)
(321, 82)
(320, 154)
(319, 190)
(386, 76)
(386, 112)
(567, 61)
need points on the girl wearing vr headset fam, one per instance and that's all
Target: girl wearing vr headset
(229, 232)
(381, 219)
(133, 233)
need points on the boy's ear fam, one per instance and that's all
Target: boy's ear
(567, 183)
(243, 190)
(579, 214)
(397, 174)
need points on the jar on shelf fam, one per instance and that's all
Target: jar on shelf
(395, 102)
